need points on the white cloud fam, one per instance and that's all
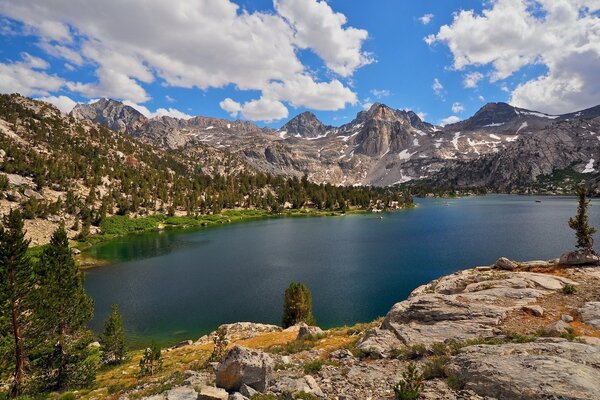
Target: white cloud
(231, 106)
(63, 103)
(264, 110)
(471, 80)
(449, 120)
(316, 26)
(426, 19)
(380, 93)
(437, 87)
(457, 108)
(169, 99)
(200, 43)
(28, 77)
(422, 115)
(366, 105)
(160, 112)
(562, 35)
(481, 98)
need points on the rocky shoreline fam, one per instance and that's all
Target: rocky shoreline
(512, 330)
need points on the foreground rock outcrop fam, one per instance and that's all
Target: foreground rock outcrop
(517, 330)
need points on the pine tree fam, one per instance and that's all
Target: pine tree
(65, 308)
(113, 338)
(297, 305)
(16, 281)
(580, 225)
(151, 360)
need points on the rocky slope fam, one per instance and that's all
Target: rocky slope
(381, 146)
(505, 331)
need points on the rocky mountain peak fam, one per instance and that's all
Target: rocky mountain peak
(111, 113)
(306, 125)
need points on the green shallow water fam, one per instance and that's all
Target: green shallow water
(176, 285)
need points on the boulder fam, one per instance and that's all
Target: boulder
(579, 257)
(545, 369)
(556, 328)
(535, 310)
(237, 396)
(379, 342)
(307, 384)
(211, 393)
(32, 194)
(566, 318)
(244, 366)
(590, 313)
(178, 393)
(13, 195)
(183, 344)
(306, 332)
(505, 263)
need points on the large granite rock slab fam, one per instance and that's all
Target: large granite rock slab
(590, 313)
(545, 369)
(465, 305)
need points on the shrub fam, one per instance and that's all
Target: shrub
(413, 352)
(569, 289)
(220, 343)
(313, 367)
(436, 367)
(151, 360)
(411, 384)
(297, 305)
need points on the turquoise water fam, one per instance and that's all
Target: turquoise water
(179, 285)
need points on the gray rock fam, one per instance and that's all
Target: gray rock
(183, 343)
(244, 366)
(566, 318)
(579, 257)
(590, 313)
(341, 354)
(556, 328)
(237, 396)
(32, 194)
(505, 263)
(13, 195)
(306, 331)
(178, 393)
(536, 310)
(548, 369)
(212, 393)
(247, 391)
(379, 342)
(307, 384)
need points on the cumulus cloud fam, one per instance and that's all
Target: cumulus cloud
(316, 26)
(422, 115)
(160, 112)
(205, 44)
(457, 108)
(28, 77)
(231, 106)
(471, 80)
(426, 19)
(562, 35)
(449, 120)
(264, 109)
(63, 103)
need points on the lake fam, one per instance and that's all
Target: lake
(176, 285)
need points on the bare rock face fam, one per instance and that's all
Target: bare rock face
(306, 331)
(590, 314)
(545, 369)
(579, 257)
(379, 342)
(466, 305)
(244, 366)
(505, 263)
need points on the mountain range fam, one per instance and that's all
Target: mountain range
(500, 147)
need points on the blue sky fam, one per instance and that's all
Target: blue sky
(269, 60)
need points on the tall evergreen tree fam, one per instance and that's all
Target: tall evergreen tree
(16, 281)
(297, 305)
(583, 231)
(65, 308)
(113, 338)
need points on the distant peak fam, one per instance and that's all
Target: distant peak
(306, 125)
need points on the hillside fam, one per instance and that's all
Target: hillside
(59, 168)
